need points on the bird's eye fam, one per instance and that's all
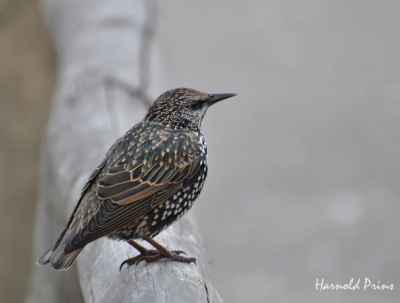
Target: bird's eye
(195, 105)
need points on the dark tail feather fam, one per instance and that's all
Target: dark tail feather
(65, 260)
(58, 259)
(43, 260)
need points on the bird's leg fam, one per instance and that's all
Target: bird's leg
(154, 255)
(173, 255)
(139, 247)
(144, 254)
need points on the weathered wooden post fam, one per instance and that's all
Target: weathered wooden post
(103, 51)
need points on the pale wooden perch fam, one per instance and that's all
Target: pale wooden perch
(102, 49)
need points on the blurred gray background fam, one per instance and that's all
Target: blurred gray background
(304, 169)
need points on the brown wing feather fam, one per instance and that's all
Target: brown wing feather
(173, 159)
(137, 183)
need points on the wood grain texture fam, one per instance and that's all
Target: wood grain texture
(102, 49)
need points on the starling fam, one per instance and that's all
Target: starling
(149, 178)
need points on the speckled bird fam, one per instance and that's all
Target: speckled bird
(149, 178)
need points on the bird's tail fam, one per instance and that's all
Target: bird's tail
(58, 259)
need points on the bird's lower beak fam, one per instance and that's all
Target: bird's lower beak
(214, 98)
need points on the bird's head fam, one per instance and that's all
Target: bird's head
(182, 108)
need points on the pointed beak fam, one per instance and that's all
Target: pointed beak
(214, 98)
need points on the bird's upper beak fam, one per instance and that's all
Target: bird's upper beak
(214, 98)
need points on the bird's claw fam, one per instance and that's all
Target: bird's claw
(154, 255)
(178, 252)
